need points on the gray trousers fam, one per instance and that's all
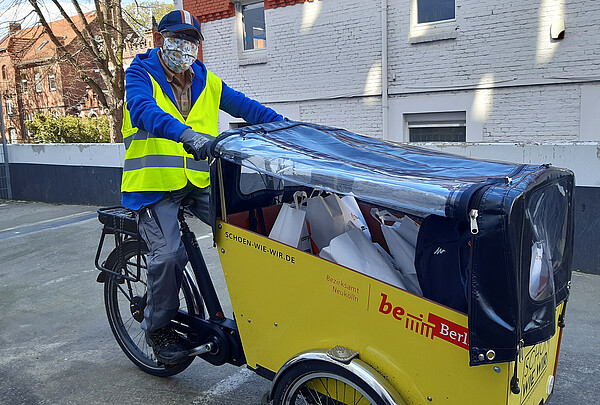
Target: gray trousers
(167, 258)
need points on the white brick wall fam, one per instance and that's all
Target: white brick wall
(325, 57)
(326, 67)
(510, 43)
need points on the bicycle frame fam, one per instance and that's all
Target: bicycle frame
(217, 330)
(216, 337)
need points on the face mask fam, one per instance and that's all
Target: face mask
(179, 54)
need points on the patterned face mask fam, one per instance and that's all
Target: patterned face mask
(179, 54)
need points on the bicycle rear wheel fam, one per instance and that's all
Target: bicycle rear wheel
(125, 301)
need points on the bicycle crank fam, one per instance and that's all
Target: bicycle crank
(202, 349)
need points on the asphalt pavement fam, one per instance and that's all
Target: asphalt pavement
(56, 346)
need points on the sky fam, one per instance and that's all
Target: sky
(21, 11)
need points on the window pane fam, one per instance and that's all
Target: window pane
(51, 82)
(38, 83)
(253, 19)
(438, 134)
(434, 10)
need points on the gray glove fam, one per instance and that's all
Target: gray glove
(196, 143)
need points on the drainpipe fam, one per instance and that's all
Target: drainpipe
(384, 69)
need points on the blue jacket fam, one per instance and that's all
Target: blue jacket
(147, 115)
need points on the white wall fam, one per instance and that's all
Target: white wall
(581, 157)
(323, 56)
(496, 62)
(522, 85)
(68, 154)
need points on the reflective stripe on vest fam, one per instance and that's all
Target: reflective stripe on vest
(153, 163)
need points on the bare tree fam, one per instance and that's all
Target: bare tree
(101, 45)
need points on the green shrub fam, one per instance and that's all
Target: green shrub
(70, 129)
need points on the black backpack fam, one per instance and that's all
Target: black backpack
(442, 261)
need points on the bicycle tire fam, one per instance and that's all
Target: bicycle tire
(123, 299)
(317, 382)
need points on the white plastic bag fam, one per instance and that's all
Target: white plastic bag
(354, 250)
(290, 228)
(353, 215)
(401, 238)
(325, 253)
(326, 219)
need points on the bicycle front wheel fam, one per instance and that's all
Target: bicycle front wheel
(125, 301)
(316, 383)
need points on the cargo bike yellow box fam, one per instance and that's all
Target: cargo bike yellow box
(493, 259)
(469, 312)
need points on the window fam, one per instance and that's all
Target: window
(9, 107)
(38, 83)
(253, 23)
(252, 32)
(432, 20)
(51, 82)
(24, 88)
(434, 10)
(13, 135)
(3, 72)
(43, 44)
(436, 127)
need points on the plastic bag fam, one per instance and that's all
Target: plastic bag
(353, 215)
(354, 250)
(401, 238)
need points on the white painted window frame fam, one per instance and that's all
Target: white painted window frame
(38, 82)
(250, 56)
(9, 107)
(417, 104)
(52, 82)
(445, 119)
(431, 31)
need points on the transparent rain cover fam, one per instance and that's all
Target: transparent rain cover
(408, 178)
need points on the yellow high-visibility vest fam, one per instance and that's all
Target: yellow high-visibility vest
(159, 164)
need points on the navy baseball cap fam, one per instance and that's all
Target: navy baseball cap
(179, 20)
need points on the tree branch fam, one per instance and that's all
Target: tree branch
(82, 73)
(93, 49)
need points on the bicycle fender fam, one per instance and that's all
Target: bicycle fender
(356, 366)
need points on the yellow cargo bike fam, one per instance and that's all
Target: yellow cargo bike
(492, 259)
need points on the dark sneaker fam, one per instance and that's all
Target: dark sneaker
(168, 346)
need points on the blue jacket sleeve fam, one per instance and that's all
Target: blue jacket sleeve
(238, 105)
(144, 111)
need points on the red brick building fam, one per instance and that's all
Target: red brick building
(35, 79)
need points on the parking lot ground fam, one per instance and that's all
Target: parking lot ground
(56, 346)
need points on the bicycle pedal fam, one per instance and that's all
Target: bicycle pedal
(202, 349)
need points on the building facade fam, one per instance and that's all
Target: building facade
(417, 70)
(35, 79)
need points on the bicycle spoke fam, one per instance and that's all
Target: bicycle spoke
(317, 392)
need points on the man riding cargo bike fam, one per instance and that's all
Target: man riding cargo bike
(171, 114)
(360, 271)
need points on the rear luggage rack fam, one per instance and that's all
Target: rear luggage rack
(123, 223)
